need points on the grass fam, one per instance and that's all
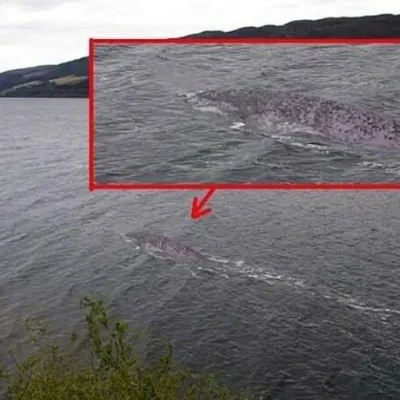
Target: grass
(68, 80)
(113, 370)
(28, 84)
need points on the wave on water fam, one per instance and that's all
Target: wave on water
(358, 305)
(233, 269)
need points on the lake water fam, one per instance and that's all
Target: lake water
(304, 299)
(147, 131)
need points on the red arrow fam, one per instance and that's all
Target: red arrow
(197, 206)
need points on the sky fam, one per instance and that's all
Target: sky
(37, 32)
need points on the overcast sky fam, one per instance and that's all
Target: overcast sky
(34, 32)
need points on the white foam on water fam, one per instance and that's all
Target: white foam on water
(315, 147)
(371, 164)
(375, 310)
(237, 125)
(242, 268)
(319, 148)
(218, 260)
(391, 169)
(359, 305)
(269, 277)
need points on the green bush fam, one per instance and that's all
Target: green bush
(113, 370)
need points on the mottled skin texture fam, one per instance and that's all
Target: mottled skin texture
(340, 121)
(165, 247)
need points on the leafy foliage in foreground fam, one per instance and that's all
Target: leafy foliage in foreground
(114, 370)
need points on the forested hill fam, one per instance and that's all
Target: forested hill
(67, 79)
(385, 25)
(70, 79)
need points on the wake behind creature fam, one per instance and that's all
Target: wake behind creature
(335, 120)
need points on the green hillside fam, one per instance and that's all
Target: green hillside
(67, 79)
(70, 79)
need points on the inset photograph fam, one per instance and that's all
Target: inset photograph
(246, 113)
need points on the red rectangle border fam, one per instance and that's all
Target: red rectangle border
(93, 186)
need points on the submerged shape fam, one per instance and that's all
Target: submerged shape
(340, 121)
(162, 246)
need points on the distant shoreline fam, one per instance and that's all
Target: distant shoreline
(70, 79)
(44, 97)
(374, 26)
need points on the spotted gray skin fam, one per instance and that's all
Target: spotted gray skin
(340, 121)
(154, 243)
